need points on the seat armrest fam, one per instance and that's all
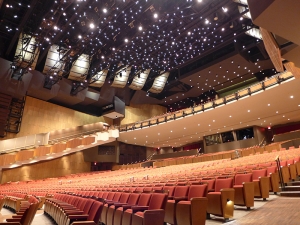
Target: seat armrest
(117, 204)
(139, 208)
(74, 212)
(183, 198)
(13, 220)
(84, 223)
(77, 217)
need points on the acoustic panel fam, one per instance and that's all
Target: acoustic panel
(159, 83)
(80, 68)
(139, 80)
(27, 51)
(54, 60)
(121, 78)
(99, 79)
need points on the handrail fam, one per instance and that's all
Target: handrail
(56, 140)
(253, 89)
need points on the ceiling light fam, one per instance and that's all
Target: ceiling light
(225, 9)
(79, 36)
(126, 40)
(291, 96)
(140, 28)
(92, 26)
(216, 16)
(105, 10)
(155, 15)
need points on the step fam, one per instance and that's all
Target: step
(291, 188)
(294, 183)
(290, 193)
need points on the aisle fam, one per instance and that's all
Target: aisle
(39, 218)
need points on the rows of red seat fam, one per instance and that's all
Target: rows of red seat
(256, 176)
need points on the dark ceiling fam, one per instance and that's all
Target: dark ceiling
(203, 44)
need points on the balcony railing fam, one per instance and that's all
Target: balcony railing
(243, 93)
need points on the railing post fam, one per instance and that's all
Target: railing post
(277, 160)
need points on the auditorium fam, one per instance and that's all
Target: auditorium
(147, 112)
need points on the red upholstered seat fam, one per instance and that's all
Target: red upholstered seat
(221, 201)
(180, 192)
(261, 183)
(154, 214)
(127, 210)
(193, 210)
(115, 212)
(244, 190)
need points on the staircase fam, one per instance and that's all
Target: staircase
(292, 189)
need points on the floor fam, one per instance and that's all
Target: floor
(277, 210)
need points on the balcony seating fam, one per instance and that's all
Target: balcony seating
(244, 190)
(192, 211)
(221, 201)
(179, 193)
(261, 184)
(153, 214)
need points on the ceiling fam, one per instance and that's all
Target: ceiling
(201, 44)
(278, 105)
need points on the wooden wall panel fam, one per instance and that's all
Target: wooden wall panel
(58, 147)
(134, 113)
(24, 155)
(66, 165)
(42, 151)
(7, 159)
(41, 117)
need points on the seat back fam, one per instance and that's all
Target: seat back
(158, 201)
(256, 174)
(88, 206)
(95, 212)
(271, 169)
(30, 213)
(210, 183)
(144, 199)
(147, 189)
(169, 190)
(283, 163)
(239, 179)
(110, 195)
(117, 196)
(223, 183)
(124, 197)
(290, 162)
(133, 198)
(197, 191)
(139, 189)
(181, 191)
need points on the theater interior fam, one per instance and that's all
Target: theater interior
(147, 112)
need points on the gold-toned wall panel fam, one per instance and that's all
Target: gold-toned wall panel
(66, 165)
(41, 117)
(134, 113)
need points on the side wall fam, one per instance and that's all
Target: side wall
(134, 113)
(70, 164)
(41, 117)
